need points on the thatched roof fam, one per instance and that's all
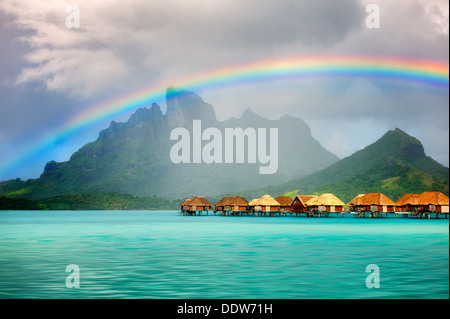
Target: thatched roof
(433, 198)
(185, 202)
(411, 199)
(300, 199)
(312, 201)
(238, 200)
(426, 198)
(306, 198)
(223, 201)
(198, 200)
(371, 199)
(325, 200)
(356, 201)
(231, 201)
(303, 199)
(284, 200)
(266, 200)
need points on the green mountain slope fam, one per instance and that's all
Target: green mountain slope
(394, 165)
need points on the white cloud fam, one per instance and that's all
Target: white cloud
(154, 40)
(81, 73)
(411, 29)
(437, 12)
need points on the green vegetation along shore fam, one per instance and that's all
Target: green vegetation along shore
(101, 201)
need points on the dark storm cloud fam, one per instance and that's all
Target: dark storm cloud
(271, 24)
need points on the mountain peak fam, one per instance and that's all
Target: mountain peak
(402, 134)
(144, 114)
(184, 106)
(249, 114)
(403, 145)
(173, 92)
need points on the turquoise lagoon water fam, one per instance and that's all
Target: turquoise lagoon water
(137, 254)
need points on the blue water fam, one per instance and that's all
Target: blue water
(164, 255)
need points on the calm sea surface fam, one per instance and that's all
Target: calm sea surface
(164, 255)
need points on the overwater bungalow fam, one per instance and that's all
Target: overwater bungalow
(437, 202)
(408, 203)
(263, 206)
(238, 205)
(232, 205)
(299, 204)
(425, 204)
(285, 204)
(198, 205)
(324, 205)
(374, 204)
(220, 205)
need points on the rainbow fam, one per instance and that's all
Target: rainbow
(422, 72)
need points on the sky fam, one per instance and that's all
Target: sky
(51, 71)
